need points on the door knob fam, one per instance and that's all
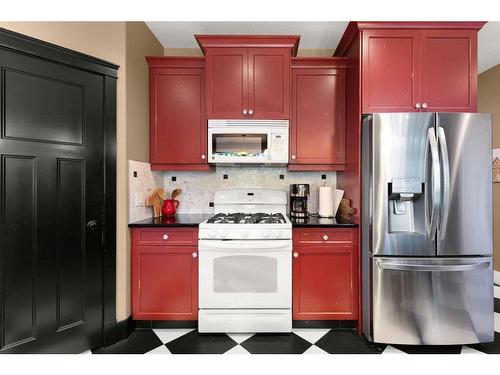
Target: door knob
(245, 112)
(203, 157)
(92, 224)
(194, 255)
(325, 237)
(295, 255)
(424, 105)
(293, 157)
(417, 106)
(165, 236)
(250, 112)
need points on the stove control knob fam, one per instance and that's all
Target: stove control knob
(266, 234)
(223, 234)
(212, 233)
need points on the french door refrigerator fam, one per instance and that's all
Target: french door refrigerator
(427, 228)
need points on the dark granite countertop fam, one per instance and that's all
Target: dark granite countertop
(182, 220)
(315, 221)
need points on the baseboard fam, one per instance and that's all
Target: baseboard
(158, 324)
(116, 331)
(496, 277)
(334, 324)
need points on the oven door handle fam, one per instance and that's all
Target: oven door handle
(236, 246)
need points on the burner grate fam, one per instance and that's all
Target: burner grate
(247, 218)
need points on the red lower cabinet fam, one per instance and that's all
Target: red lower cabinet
(164, 280)
(325, 274)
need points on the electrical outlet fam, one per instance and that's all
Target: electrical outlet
(189, 197)
(139, 199)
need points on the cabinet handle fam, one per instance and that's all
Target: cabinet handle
(245, 112)
(295, 255)
(325, 237)
(203, 156)
(424, 105)
(194, 255)
(417, 106)
(294, 157)
(250, 112)
(165, 236)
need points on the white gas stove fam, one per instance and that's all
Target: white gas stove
(245, 263)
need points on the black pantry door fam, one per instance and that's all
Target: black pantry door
(51, 206)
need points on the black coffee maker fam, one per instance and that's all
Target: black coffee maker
(298, 200)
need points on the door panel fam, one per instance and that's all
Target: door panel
(52, 184)
(390, 71)
(424, 301)
(227, 82)
(318, 119)
(269, 82)
(468, 230)
(448, 70)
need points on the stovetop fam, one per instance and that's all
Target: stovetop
(247, 218)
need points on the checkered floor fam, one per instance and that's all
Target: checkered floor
(300, 341)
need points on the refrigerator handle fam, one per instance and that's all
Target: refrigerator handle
(434, 267)
(445, 208)
(436, 183)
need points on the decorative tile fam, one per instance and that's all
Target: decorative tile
(238, 349)
(347, 342)
(240, 337)
(160, 350)
(310, 334)
(167, 335)
(315, 350)
(468, 350)
(392, 350)
(139, 342)
(201, 343)
(276, 343)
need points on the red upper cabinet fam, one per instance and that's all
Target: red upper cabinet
(178, 129)
(390, 70)
(318, 114)
(448, 70)
(248, 77)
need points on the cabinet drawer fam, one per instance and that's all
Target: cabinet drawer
(324, 236)
(165, 236)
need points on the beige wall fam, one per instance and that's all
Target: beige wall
(125, 44)
(197, 52)
(489, 101)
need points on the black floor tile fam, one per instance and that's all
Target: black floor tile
(139, 342)
(497, 305)
(490, 347)
(201, 343)
(276, 343)
(347, 342)
(430, 349)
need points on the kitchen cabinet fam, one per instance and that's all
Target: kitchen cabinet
(418, 66)
(178, 128)
(325, 274)
(164, 274)
(248, 77)
(318, 114)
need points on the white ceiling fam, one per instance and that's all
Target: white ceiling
(312, 35)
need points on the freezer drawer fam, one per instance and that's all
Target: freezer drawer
(423, 301)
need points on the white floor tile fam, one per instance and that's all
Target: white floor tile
(238, 349)
(467, 350)
(315, 350)
(160, 350)
(86, 352)
(496, 291)
(497, 322)
(496, 277)
(240, 337)
(311, 334)
(392, 350)
(167, 335)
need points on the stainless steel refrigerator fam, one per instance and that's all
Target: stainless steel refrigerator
(427, 228)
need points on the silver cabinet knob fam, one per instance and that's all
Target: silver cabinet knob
(250, 112)
(417, 106)
(194, 255)
(424, 105)
(294, 157)
(245, 112)
(325, 237)
(203, 156)
(295, 255)
(165, 236)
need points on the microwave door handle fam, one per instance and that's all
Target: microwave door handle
(443, 146)
(433, 267)
(436, 182)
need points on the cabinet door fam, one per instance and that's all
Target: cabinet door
(449, 70)
(318, 116)
(269, 83)
(227, 82)
(178, 126)
(164, 283)
(325, 283)
(390, 71)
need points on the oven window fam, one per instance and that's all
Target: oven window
(239, 144)
(245, 274)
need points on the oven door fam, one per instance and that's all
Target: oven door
(248, 274)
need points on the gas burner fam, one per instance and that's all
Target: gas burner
(247, 218)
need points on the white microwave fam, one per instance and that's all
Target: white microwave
(248, 141)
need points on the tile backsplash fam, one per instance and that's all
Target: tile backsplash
(198, 187)
(143, 181)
